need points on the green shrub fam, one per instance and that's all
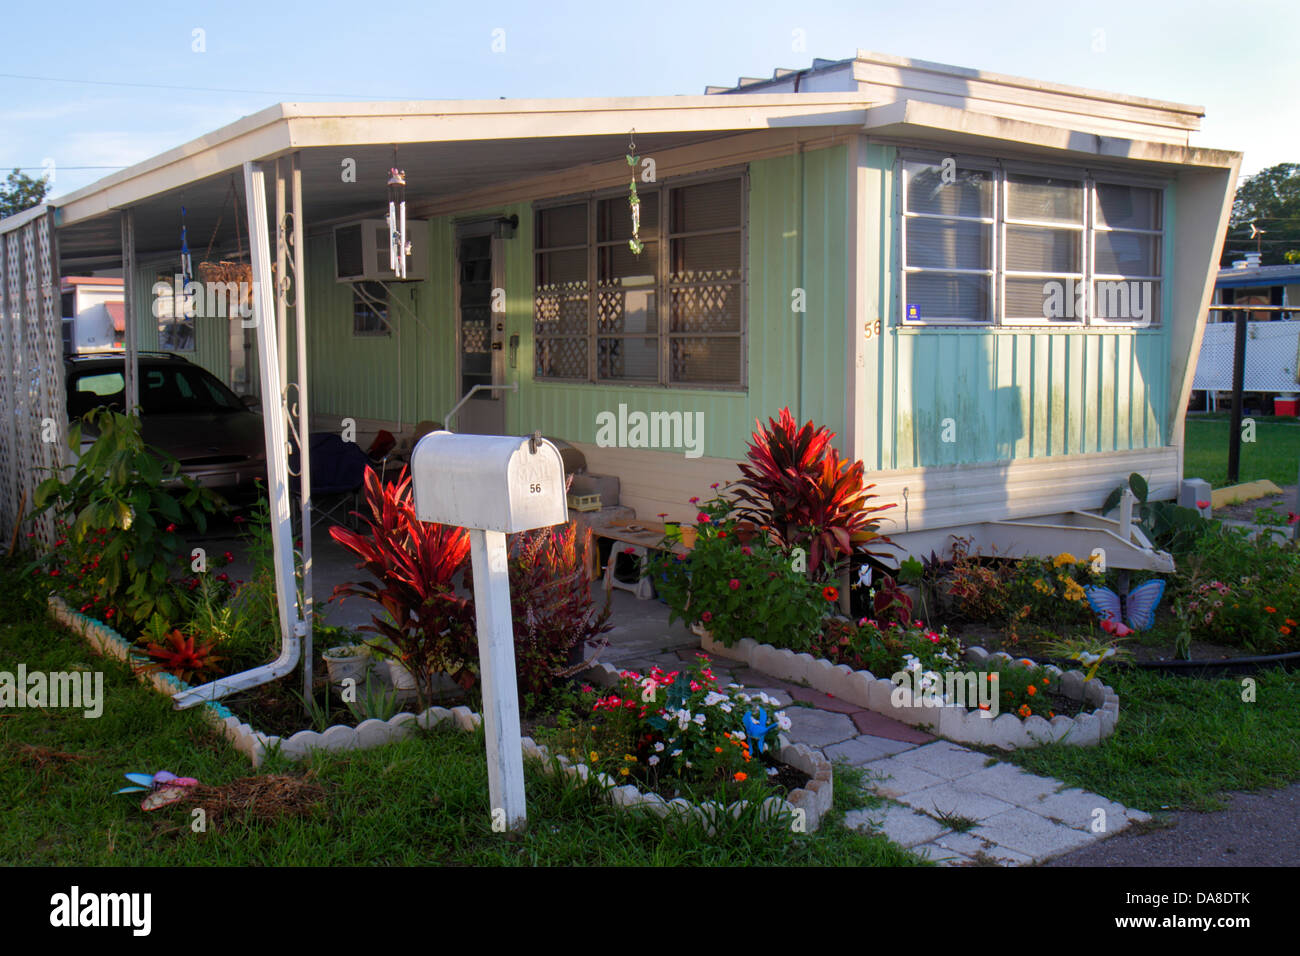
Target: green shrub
(118, 509)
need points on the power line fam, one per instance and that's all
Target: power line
(165, 86)
(59, 166)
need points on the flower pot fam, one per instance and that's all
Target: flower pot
(344, 663)
(672, 531)
(688, 535)
(399, 676)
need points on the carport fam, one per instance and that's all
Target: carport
(300, 169)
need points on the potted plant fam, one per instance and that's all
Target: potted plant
(347, 660)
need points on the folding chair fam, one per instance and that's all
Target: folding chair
(338, 469)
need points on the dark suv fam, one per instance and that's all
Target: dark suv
(184, 410)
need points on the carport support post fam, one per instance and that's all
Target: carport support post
(131, 380)
(496, 654)
(1238, 382)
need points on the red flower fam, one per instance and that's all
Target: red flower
(734, 584)
(110, 612)
(746, 550)
(228, 556)
(702, 518)
(1292, 517)
(722, 534)
(706, 617)
(170, 528)
(830, 593)
(629, 550)
(1202, 504)
(239, 519)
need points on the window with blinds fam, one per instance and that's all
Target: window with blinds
(670, 315)
(985, 245)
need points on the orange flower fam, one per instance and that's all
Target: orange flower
(1051, 714)
(1291, 622)
(1284, 629)
(1031, 690)
(1271, 610)
(717, 750)
(1024, 710)
(830, 593)
(741, 776)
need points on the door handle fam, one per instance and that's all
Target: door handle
(514, 350)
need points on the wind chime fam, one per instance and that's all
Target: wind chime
(633, 200)
(185, 308)
(398, 247)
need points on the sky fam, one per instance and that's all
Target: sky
(1238, 60)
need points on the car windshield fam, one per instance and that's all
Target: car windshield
(164, 390)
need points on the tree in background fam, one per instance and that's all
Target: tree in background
(20, 192)
(1270, 200)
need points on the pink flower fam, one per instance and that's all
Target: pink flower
(746, 550)
(1202, 504)
(714, 486)
(695, 500)
(702, 518)
(706, 617)
(734, 584)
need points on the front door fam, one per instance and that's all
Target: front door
(481, 331)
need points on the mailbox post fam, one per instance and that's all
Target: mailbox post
(492, 486)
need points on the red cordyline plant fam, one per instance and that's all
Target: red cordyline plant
(413, 563)
(796, 485)
(553, 613)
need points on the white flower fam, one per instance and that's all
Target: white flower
(912, 663)
(782, 721)
(675, 753)
(725, 708)
(713, 698)
(771, 771)
(659, 747)
(683, 719)
(699, 719)
(652, 760)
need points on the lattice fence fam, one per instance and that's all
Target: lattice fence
(33, 418)
(1270, 357)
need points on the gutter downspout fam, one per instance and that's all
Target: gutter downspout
(801, 239)
(292, 625)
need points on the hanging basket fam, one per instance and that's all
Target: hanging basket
(226, 271)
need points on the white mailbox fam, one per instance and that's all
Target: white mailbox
(492, 486)
(492, 482)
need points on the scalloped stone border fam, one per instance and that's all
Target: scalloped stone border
(814, 800)
(1006, 731)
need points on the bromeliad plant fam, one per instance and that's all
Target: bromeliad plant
(428, 626)
(796, 485)
(118, 509)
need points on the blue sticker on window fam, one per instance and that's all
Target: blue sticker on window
(913, 313)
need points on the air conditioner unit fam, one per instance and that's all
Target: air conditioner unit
(361, 251)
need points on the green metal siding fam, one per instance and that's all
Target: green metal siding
(1010, 393)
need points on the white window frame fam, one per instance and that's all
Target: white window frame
(991, 221)
(1000, 169)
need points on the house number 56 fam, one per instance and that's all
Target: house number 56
(872, 328)
(535, 488)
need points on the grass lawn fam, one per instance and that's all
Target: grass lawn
(1274, 454)
(422, 801)
(1180, 742)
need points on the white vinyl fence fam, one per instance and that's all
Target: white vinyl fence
(1270, 357)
